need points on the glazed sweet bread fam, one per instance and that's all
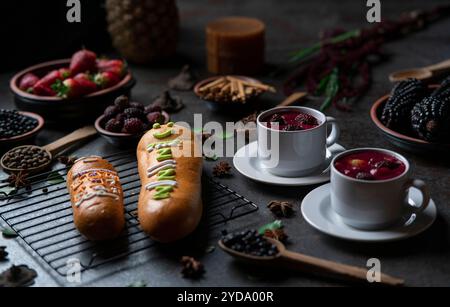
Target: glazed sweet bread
(97, 198)
(170, 169)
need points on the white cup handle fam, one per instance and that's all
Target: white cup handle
(335, 131)
(422, 187)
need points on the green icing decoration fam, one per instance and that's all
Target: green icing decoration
(162, 135)
(156, 126)
(167, 174)
(163, 157)
(164, 151)
(162, 192)
(170, 124)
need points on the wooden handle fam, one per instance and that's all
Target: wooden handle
(292, 99)
(324, 267)
(442, 66)
(70, 139)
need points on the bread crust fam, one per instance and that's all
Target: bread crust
(97, 198)
(175, 217)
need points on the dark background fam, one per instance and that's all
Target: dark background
(33, 31)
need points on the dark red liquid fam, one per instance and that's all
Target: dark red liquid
(291, 121)
(370, 165)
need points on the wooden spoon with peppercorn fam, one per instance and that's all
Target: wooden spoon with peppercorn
(303, 263)
(34, 159)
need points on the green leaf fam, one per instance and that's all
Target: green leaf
(322, 85)
(55, 178)
(7, 190)
(138, 284)
(210, 249)
(331, 90)
(8, 232)
(271, 226)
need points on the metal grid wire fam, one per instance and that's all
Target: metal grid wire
(43, 219)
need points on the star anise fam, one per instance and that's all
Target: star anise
(281, 208)
(168, 103)
(17, 276)
(19, 180)
(67, 160)
(184, 81)
(222, 169)
(3, 253)
(277, 234)
(191, 267)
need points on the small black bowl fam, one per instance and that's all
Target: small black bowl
(121, 140)
(71, 112)
(8, 143)
(403, 141)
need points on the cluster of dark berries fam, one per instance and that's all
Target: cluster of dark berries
(26, 157)
(411, 110)
(293, 122)
(249, 242)
(12, 123)
(131, 117)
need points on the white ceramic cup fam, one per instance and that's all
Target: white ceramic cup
(375, 204)
(294, 153)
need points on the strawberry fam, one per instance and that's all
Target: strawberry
(41, 89)
(106, 79)
(86, 82)
(116, 66)
(28, 81)
(69, 88)
(82, 61)
(65, 73)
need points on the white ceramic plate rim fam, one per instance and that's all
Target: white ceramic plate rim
(310, 209)
(244, 165)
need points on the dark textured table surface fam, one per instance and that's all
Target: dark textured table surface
(421, 261)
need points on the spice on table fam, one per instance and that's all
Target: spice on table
(8, 233)
(281, 208)
(26, 157)
(277, 234)
(17, 276)
(19, 180)
(339, 66)
(3, 253)
(235, 45)
(191, 267)
(222, 169)
(67, 160)
(168, 103)
(184, 81)
(232, 89)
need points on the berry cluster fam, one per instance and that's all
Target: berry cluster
(131, 117)
(250, 242)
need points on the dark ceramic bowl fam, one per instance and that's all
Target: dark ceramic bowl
(227, 106)
(67, 111)
(8, 143)
(405, 142)
(122, 140)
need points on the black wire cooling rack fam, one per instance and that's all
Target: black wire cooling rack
(42, 218)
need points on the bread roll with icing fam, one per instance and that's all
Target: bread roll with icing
(97, 198)
(170, 169)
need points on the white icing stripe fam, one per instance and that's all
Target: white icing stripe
(160, 164)
(163, 167)
(160, 145)
(95, 194)
(155, 184)
(94, 170)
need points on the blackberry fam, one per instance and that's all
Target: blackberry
(306, 119)
(133, 126)
(122, 102)
(113, 125)
(12, 123)
(111, 112)
(397, 110)
(155, 117)
(133, 112)
(137, 105)
(121, 117)
(152, 108)
(443, 91)
(277, 118)
(430, 119)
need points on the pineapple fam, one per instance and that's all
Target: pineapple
(143, 30)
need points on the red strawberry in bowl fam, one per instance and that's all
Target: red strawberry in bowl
(42, 89)
(86, 82)
(106, 79)
(28, 81)
(83, 61)
(70, 88)
(115, 66)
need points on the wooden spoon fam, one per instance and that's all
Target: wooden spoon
(52, 148)
(422, 73)
(304, 263)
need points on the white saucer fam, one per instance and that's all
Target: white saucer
(317, 211)
(246, 162)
